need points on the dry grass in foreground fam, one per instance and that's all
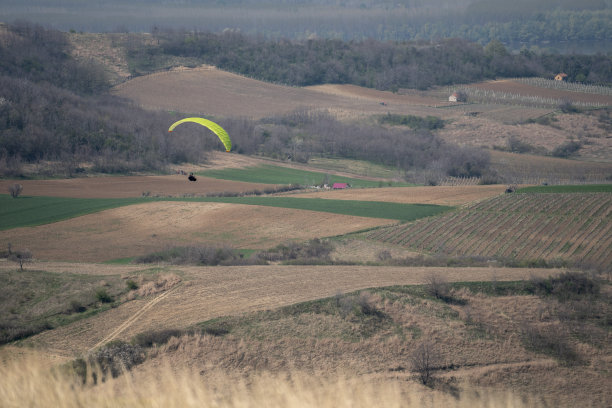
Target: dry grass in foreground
(28, 383)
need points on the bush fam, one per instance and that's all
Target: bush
(103, 296)
(111, 359)
(155, 337)
(568, 285)
(15, 189)
(566, 149)
(131, 285)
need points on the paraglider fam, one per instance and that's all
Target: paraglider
(216, 129)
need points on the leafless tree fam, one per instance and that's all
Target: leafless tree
(15, 190)
(423, 360)
(21, 257)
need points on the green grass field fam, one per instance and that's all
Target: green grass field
(582, 188)
(269, 174)
(31, 211)
(28, 211)
(372, 209)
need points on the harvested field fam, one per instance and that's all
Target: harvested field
(575, 227)
(209, 292)
(439, 195)
(129, 186)
(209, 91)
(140, 229)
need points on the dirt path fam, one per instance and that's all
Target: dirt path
(132, 319)
(209, 292)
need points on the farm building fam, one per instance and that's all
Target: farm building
(560, 76)
(340, 186)
(453, 97)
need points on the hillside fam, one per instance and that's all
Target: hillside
(527, 228)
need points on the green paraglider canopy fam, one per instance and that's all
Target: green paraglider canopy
(216, 129)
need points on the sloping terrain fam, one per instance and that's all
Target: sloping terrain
(209, 292)
(575, 227)
(209, 91)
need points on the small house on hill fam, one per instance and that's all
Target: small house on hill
(340, 186)
(560, 77)
(454, 97)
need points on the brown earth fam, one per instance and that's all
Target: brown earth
(441, 195)
(131, 186)
(209, 292)
(141, 229)
(209, 91)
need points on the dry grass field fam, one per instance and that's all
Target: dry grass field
(209, 292)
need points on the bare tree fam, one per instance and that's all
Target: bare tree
(21, 257)
(437, 286)
(423, 360)
(15, 190)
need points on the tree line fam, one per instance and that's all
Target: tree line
(370, 63)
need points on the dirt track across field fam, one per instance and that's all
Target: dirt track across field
(209, 292)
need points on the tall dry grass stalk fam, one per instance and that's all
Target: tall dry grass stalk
(28, 383)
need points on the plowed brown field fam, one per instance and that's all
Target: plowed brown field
(129, 186)
(440, 195)
(209, 91)
(140, 229)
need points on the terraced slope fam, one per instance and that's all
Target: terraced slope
(576, 227)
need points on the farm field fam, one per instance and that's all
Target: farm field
(272, 174)
(520, 88)
(573, 227)
(139, 229)
(129, 186)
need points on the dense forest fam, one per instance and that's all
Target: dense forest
(564, 25)
(370, 63)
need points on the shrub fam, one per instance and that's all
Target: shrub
(15, 189)
(103, 296)
(131, 284)
(111, 359)
(76, 307)
(568, 285)
(155, 337)
(566, 149)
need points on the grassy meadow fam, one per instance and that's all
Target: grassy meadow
(270, 174)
